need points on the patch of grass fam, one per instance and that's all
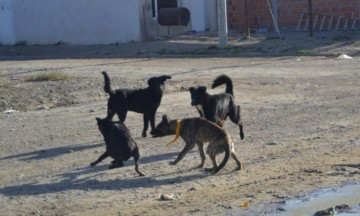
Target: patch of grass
(273, 38)
(21, 43)
(235, 50)
(213, 47)
(303, 52)
(210, 50)
(341, 38)
(260, 50)
(49, 76)
(206, 51)
(288, 49)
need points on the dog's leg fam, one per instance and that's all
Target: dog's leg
(122, 114)
(102, 157)
(110, 114)
(146, 124)
(234, 114)
(213, 160)
(116, 164)
(152, 121)
(233, 155)
(186, 149)
(202, 154)
(136, 156)
(239, 164)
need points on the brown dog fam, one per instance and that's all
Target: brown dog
(199, 131)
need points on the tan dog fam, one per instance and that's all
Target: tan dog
(199, 131)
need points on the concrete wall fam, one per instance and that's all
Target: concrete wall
(70, 21)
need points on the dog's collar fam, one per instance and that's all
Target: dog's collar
(177, 132)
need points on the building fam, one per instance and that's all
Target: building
(94, 21)
(287, 13)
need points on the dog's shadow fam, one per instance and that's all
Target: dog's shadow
(74, 181)
(86, 178)
(58, 151)
(53, 152)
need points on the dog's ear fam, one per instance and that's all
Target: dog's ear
(98, 120)
(163, 79)
(158, 80)
(191, 89)
(202, 89)
(151, 81)
(165, 118)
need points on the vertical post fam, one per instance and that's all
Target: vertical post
(275, 11)
(222, 23)
(311, 32)
(246, 12)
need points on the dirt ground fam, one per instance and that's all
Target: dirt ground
(300, 107)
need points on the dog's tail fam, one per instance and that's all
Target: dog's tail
(227, 155)
(107, 86)
(223, 79)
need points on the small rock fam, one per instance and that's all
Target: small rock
(272, 143)
(192, 189)
(344, 56)
(280, 209)
(169, 197)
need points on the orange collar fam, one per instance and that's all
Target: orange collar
(177, 133)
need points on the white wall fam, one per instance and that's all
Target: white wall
(211, 15)
(197, 13)
(6, 23)
(70, 21)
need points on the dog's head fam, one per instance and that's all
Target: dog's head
(157, 82)
(102, 124)
(198, 95)
(163, 128)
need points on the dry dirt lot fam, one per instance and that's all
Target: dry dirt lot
(301, 116)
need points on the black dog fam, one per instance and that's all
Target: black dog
(144, 101)
(119, 144)
(218, 107)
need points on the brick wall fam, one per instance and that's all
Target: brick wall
(289, 12)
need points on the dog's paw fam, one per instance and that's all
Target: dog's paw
(92, 164)
(209, 169)
(143, 134)
(172, 163)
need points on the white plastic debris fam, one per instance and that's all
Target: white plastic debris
(10, 111)
(168, 197)
(344, 56)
